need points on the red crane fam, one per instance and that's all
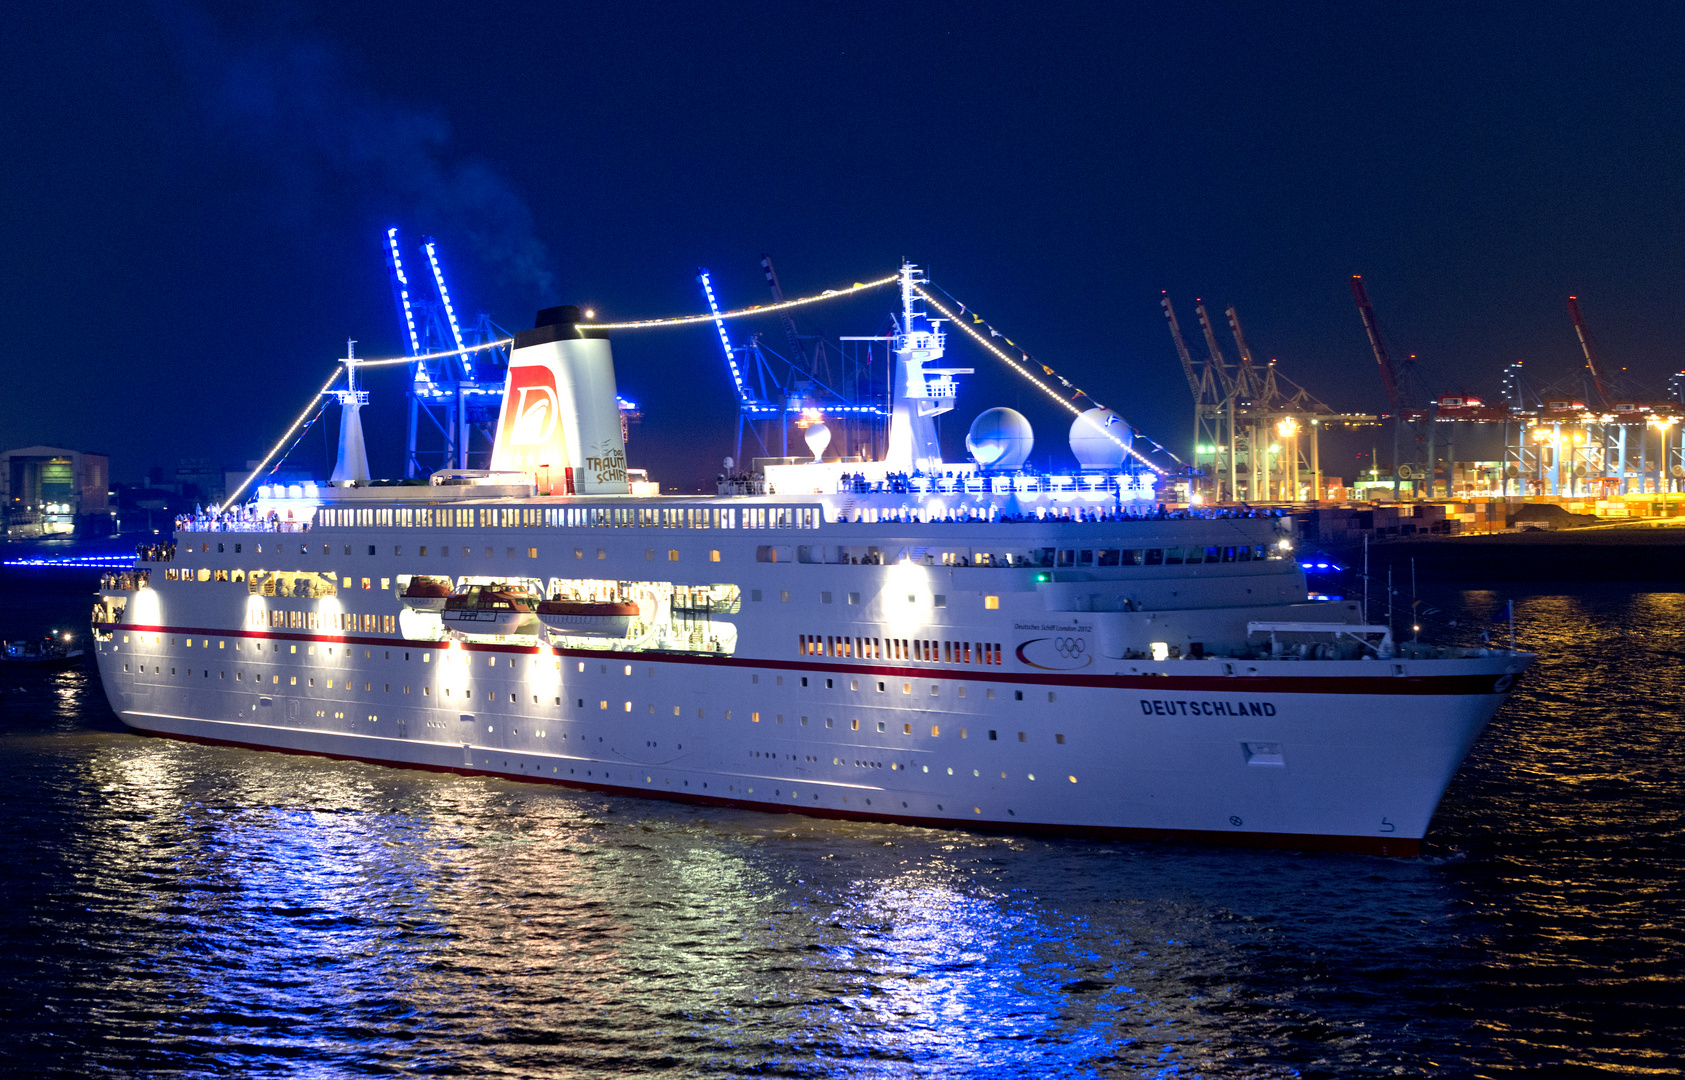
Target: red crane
(1585, 346)
(1388, 375)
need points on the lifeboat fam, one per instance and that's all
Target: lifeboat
(483, 610)
(587, 618)
(426, 593)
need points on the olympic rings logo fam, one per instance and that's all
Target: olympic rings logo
(1070, 647)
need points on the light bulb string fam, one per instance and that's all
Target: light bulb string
(1021, 368)
(652, 324)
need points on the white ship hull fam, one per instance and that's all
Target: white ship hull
(902, 640)
(778, 714)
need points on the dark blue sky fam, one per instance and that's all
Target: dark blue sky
(194, 195)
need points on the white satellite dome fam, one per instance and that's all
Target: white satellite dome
(818, 437)
(1000, 439)
(1100, 438)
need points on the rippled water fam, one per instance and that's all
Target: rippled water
(171, 909)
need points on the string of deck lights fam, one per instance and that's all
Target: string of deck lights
(646, 324)
(309, 410)
(716, 317)
(760, 309)
(680, 320)
(1037, 383)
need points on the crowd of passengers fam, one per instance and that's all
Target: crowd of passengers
(237, 519)
(1084, 514)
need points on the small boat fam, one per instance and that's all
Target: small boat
(587, 618)
(51, 653)
(482, 610)
(426, 593)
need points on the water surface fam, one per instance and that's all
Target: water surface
(178, 910)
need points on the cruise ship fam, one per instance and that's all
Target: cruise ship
(903, 640)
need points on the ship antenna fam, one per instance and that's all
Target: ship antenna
(352, 467)
(1366, 579)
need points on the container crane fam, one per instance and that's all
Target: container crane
(1603, 396)
(1208, 403)
(776, 397)
(1216, 361)
(457, 395)
(1181, 346)
(797, 353)
(1389, 376)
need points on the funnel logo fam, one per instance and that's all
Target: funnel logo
(534, 410)
(530, 432)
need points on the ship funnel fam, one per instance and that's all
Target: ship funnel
(561, 420)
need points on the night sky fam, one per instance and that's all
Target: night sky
(194, 197)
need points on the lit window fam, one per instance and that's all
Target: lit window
(991, 603)
(713, 556)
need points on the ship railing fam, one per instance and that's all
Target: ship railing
(1377, 639)
(205, 525)
(749, 485)
(125, 581)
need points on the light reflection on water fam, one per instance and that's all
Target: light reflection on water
(179, 909)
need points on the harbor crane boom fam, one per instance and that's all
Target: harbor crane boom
(1585, 346)
(1388, 375)
(1216, 353)
(1181, 346)
(796, 351)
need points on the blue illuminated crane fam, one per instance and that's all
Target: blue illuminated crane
(776, 394)
(459, 395)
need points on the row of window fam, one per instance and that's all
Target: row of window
(919, 649)
(579, 517)
(275, 583)
(462, 551)
(342, 621)
(1175, 556)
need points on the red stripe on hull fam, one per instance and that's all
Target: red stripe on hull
(1403, 847)
(1387, 685)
